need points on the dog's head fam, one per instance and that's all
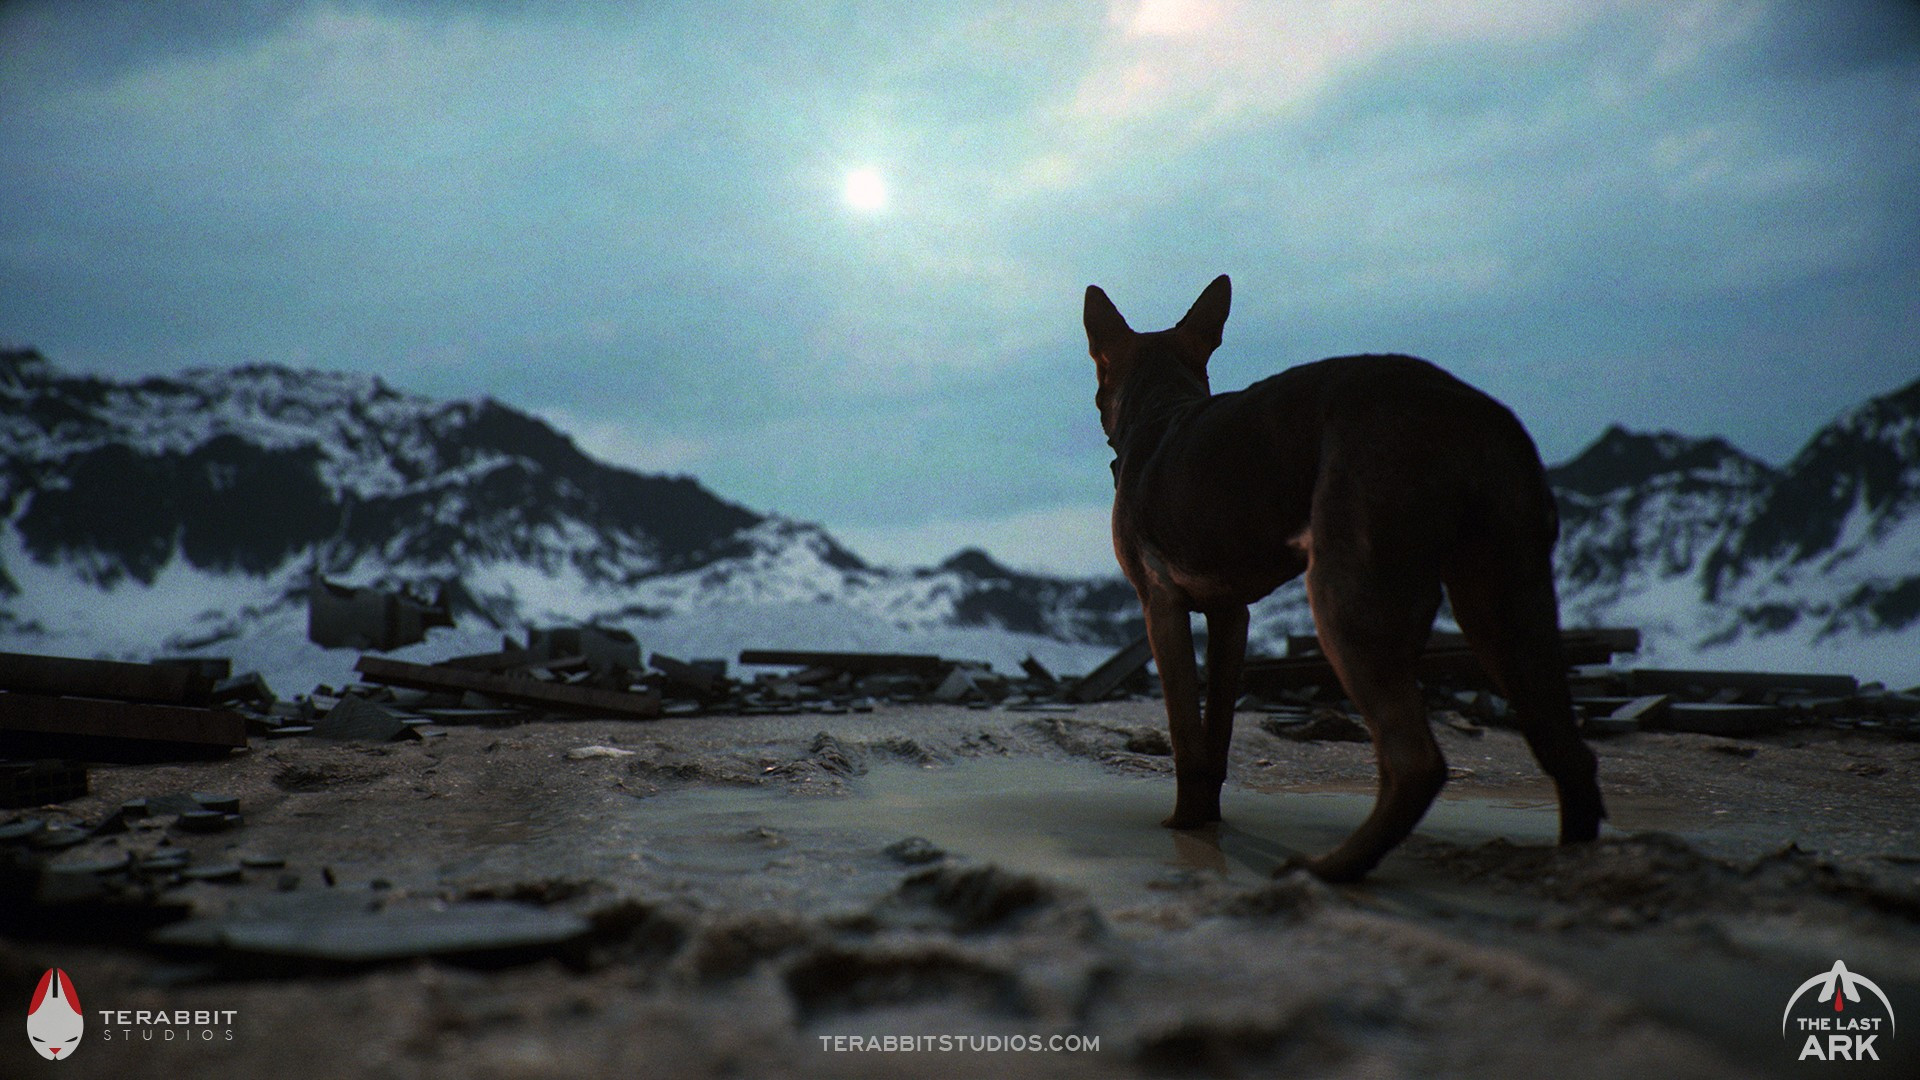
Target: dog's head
(1119, 353)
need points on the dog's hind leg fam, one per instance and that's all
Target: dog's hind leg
(1226, 656)
(1506, 608)
(1373, 623)
(1196, 788)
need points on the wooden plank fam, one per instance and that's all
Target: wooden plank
(1662, 681)
(1291, 673)
(1106, 678)
(1267, 674)
(39, 714)
(504, 660)
(1646, 711)
(697, 679)
(56, 675)
(1724, 719)
(565, 696)
(1598, 642)
(860, 663)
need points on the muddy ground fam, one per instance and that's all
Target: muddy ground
(745, 896)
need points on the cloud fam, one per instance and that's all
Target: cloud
(1175, 73)
(633, 213)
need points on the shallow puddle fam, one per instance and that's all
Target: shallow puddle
(1070, 821)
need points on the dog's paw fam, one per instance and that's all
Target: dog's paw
(1178, 820)
(1328, 868)
(1292, 864)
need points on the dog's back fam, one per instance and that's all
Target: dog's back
(1456, 463)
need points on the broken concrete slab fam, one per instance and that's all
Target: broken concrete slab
(247, 687)
(599, 648)
(1100, 683)
(346, 617)
(1037, 671)
(958, 686)
(355, 719)
(698, 679)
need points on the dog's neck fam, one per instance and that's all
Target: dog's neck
(1152, 402)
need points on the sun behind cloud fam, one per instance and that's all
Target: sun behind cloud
(865, 190)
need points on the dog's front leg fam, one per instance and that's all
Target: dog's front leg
(1196, 790)
(1226, 655)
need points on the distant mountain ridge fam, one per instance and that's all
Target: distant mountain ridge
(184, 513)
(1714, 552)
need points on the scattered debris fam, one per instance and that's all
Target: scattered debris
(1037, 671)
(1447, 658)
(358, 719)
(1326, 725)
(1717, 718)
(111, 710)
(165, 682)
(1101, 682)
(569, 697)
(345, 617)
(1703, 683)
(705, 679)
(40, 783)
(1635, 715)
(850, 662)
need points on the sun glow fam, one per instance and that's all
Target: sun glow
(865, 190)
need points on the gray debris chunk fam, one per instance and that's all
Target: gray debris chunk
(356, 719)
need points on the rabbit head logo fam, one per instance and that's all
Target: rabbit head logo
(54, 1020)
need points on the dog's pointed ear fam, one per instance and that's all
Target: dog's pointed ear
(1207, 318)
(1106, 327)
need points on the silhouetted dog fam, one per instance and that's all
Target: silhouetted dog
(1382, 478)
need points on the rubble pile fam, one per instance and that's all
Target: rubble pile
(1299, 692)
(57, 714)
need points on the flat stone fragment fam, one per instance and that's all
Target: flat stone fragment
(223, 873)
(353, 935)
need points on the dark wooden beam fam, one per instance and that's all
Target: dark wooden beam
(157, 683)
(564, 696)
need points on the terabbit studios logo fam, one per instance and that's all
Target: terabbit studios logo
(55, 1021)
(1838, 1023)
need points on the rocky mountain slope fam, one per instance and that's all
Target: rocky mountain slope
(185, 514)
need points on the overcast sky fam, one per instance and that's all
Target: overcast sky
(829, 258)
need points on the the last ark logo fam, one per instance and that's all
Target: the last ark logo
(1838, 1022)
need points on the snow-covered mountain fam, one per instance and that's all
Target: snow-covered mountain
(184, 514)
(1722, 560)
